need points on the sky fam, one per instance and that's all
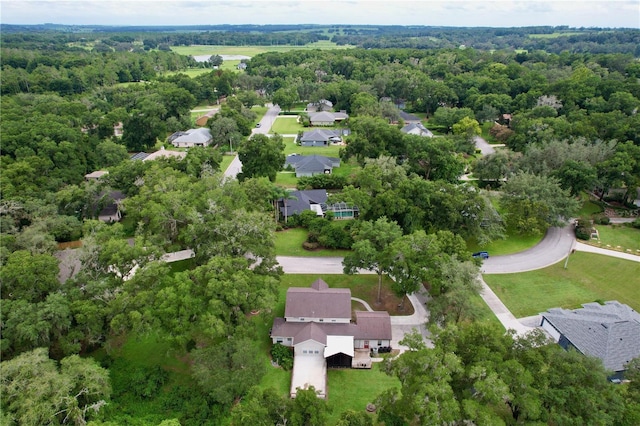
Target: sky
(476, 13)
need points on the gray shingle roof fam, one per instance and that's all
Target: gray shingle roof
(308, 302)
(408, 117)
(201, 135)
(610, 332)
(319, 135)
(373, 325)
(302, 200)
(310, 331)
(322, 116)
(423, 131)
(312, 163)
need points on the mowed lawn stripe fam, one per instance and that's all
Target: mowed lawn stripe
(589, 277)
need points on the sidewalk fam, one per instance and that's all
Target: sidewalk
(592, 249)
(504, 315)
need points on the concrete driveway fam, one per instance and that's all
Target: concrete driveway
(483, 146)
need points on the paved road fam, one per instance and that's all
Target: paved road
(555, 246)
(268, 120)
(265, 124)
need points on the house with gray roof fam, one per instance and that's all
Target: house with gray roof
(191, 138)
(326, 118)
(314, 200)
(310, 165)
(299, 201)
(318, 325)
(321, 105)
(416, 129)
(610, 332)
(409, 118)
(111, 206)
(320, 137)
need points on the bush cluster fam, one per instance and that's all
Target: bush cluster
(583, 229)
(282, 355)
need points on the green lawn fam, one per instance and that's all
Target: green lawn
(350, 389)
(514, 243)
(226, 160)
(288, 125)
(619, 237)
(287, 179)
(289, 243)
(588, 277)
(589, 208)
(327, 151)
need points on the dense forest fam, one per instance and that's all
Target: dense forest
(565, 107)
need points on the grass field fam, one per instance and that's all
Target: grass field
(195, 50)
(554, 35)
(588, 277)
(619, 237)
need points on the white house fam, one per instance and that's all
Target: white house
(191, 138)
(318, 325)
(416, 129)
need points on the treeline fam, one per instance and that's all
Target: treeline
(76, 71)
(574, 40)
(545, 38)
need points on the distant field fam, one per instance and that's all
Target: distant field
(554, 35)
(251, 50)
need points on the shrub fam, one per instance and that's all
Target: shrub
(602, 220)
(282, 355)
(322, 181)
(583, 233)
(310, 246)
(636, 223)
(137, 380)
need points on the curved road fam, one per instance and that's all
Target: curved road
(555, 246)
